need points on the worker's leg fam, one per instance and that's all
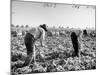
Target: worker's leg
(29, 55)
(34, 53)
(28, 60)
(42, 40)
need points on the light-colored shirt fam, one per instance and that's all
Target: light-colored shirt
(39, 33)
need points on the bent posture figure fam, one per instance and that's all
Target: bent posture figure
(30, 39)
(85, 32)
(75, 43)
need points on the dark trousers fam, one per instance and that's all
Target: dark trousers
(30, 51)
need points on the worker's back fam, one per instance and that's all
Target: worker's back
(75, 43)
(28, 38)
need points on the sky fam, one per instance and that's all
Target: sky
(36, 13)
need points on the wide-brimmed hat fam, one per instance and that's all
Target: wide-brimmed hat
(44, 26)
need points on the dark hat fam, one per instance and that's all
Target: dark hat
(43, 26)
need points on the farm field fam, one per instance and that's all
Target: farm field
(57, 55)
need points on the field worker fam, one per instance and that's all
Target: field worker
(75, 43)
(31, 37)
(40, 33)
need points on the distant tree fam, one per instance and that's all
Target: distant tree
(22, 26)
(17, 26)
(26, 26)
(12, 25)
(59, 27)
